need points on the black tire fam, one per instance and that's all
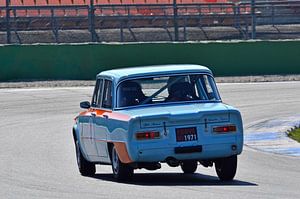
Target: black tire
(226, 168)
(85, 167)
(121, 171)
(189, 166)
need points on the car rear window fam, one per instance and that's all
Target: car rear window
(167, 89)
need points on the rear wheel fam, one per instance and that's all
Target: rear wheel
(189, 166)
(121, 171)
(226, 168)
(85, 167)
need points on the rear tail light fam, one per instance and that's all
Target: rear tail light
(147, 135)
(224, 129)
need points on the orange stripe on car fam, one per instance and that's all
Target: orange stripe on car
(122, 152)
(87, 113)
(83, 113)
(118, 116)
(110, 114)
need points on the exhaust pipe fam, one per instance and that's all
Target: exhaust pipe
(172, 162)
(148, 165)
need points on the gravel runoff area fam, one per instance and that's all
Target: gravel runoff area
(82, 83)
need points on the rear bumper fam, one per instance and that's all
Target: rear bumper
(208, 151)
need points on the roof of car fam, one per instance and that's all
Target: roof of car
(154, 70)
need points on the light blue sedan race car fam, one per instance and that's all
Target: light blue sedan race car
(143, 116)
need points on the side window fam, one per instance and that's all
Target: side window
(107, 95)
(207, 84)
(97, 93)
(207, 88)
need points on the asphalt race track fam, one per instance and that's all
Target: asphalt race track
(37, 156)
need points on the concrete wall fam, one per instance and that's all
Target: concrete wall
(84, 61)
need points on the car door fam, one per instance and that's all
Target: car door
(101, 122)
(86, 139)
(87, 129)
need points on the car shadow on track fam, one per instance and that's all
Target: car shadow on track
(175, 179)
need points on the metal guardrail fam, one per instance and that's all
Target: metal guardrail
(168, 16)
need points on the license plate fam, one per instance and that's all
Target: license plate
(186, 134)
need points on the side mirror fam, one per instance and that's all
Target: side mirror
(85, 105)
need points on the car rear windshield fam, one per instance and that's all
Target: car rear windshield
(167, 89)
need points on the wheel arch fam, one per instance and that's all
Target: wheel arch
(122, 151)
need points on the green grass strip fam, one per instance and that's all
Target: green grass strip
(294, 133)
